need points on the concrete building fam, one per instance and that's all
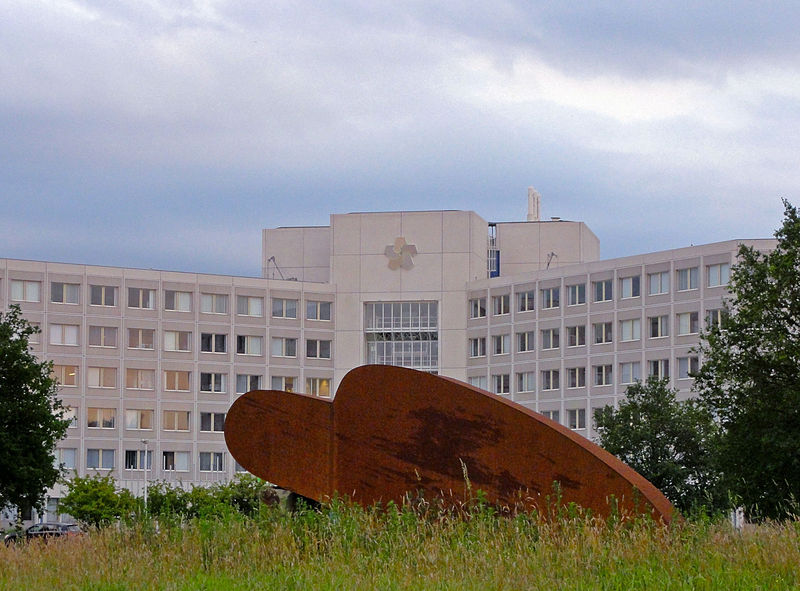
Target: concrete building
(153, 359)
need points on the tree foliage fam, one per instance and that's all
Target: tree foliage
(667, 441)
(96, 500)
(31, 416)
(750, 376)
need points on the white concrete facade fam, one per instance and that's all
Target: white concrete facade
(161, 355)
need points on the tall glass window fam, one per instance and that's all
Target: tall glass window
(403, 334)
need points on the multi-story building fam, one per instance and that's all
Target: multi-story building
(150, 361)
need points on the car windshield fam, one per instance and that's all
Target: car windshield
(72, 527)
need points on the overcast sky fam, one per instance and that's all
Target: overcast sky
(149, 133)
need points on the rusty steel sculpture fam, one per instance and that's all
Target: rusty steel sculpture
(391, 431)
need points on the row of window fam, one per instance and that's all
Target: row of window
(142, 419)
(686, 323)
(602, 291)
(178, 340)
(180, 380)
(176, 301)
(576, 377)
(104, 459)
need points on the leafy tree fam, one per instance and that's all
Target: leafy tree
(750, 377)
(95, 500)
(666, 440)
(31, 416)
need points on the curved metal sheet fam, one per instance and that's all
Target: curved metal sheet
(392, 430)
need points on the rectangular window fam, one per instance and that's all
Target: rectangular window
(550, 338)
(630, 372)
(526, 341)
(139, 419)
(284, 308)
(501, 344)
(477, 308)
(576, 418)
(71, 414)
(101, 377)
(66, 375)
(212, 382)
(477, 347)
(252, 345)
(177, 301)
(177, 340)
(501, 304)
(318, 310)
(576, 377)
(284, 383)
(212, 461)
(576, 336)
(714, 317)
(246, 382)
(316, 349)
(603, 290)
(249, 305)
(658, 283)
(602, 375)
(213, 343)
(550, 379)
(134, 459)
(553, 415)
(25, 291)
(140, 379)
(101, 418)
(65, 458)
(550, 298)
(140, 297)
(687, 366)
(64, 293)
(100, 459)
(63, 334)
(630, 330)
(658, 368)
(526, 300)
(284, 347)
(659, 326)
(141, 338)
(602, 332)
(176, 381)
(212, 421)
(318, 387)
(102, 295)
(576, 294)
(501, 383)
(688, 323)
(526, 381)
(629, 286)
(719, 274)
(177, 461)
(176, 420)
(687, 279)
(102, 336)
(214, 303)
(478, 382)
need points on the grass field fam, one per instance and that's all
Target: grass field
(346, 547)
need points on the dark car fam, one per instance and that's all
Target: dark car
(45, 531)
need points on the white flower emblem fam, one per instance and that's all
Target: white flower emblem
(400, 254)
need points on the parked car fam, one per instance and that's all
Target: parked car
(45, 531)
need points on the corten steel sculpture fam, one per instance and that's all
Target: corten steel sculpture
(391, 431)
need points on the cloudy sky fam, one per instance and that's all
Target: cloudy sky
(166, 134)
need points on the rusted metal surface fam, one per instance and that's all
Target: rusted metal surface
(391, 431)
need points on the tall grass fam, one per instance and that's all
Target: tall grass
(346, 547)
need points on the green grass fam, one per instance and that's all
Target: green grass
(346, 547)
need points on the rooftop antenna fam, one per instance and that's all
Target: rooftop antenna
(534, 204)
(277, 268)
